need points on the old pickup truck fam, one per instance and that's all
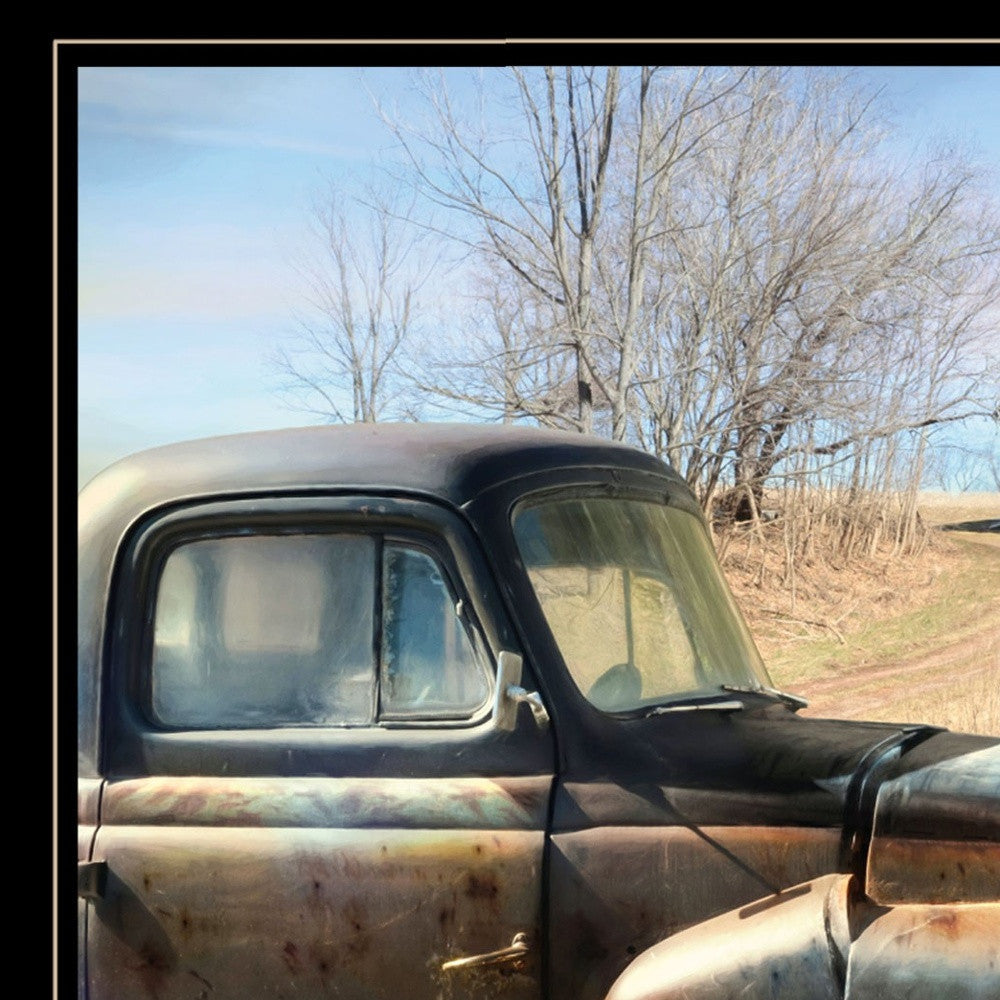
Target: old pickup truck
(445, 711)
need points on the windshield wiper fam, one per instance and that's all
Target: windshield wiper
(791, 700)
(699, 703)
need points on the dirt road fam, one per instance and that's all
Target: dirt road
(956, 685)
(862, 692)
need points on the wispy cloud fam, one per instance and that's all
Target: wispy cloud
(219, 289)
(281, 108)
(226, 137)
(213, 92)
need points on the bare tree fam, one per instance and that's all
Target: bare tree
(821, 298)
(363, 282)
(719, 264)
(569, 200)
(541, 226)
(506, 360)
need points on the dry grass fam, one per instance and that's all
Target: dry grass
(947, 508)
(893, 639)
(976, 709)
(964, 702)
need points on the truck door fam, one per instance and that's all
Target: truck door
(307, 789)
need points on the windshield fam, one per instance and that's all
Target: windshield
(635, 600)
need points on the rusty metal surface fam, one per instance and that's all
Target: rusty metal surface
(308, 913)
(928, 953)
(344, 803)
(762, 766)
(786, 947)
(936, 833)
(88, 798)
(88, 801)
(584, 805)
(618, 890)
(823, 940)
(901, 870)
(958, 794)
(81, 950)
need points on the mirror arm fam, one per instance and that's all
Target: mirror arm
(533, 700)
(510, 694)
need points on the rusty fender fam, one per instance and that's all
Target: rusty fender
(936, 834)
(823, 941)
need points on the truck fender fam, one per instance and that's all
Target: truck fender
(824, 940)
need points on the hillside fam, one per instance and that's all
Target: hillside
(901, 640)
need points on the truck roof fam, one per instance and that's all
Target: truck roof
(450, 461)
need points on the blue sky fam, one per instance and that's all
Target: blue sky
(195, 186)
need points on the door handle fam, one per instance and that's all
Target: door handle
(91, 879)
(513, 955)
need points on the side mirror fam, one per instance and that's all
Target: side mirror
(510, 694)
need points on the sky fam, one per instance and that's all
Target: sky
(195, 187)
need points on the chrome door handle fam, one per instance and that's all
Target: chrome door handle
(512, 955)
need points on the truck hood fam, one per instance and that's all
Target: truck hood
(905, 786)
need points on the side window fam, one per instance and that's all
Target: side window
(265, 631)
(260, 631)
(428, 661)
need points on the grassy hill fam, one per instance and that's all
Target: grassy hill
(905, 639)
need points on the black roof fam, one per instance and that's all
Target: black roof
(453, 462)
